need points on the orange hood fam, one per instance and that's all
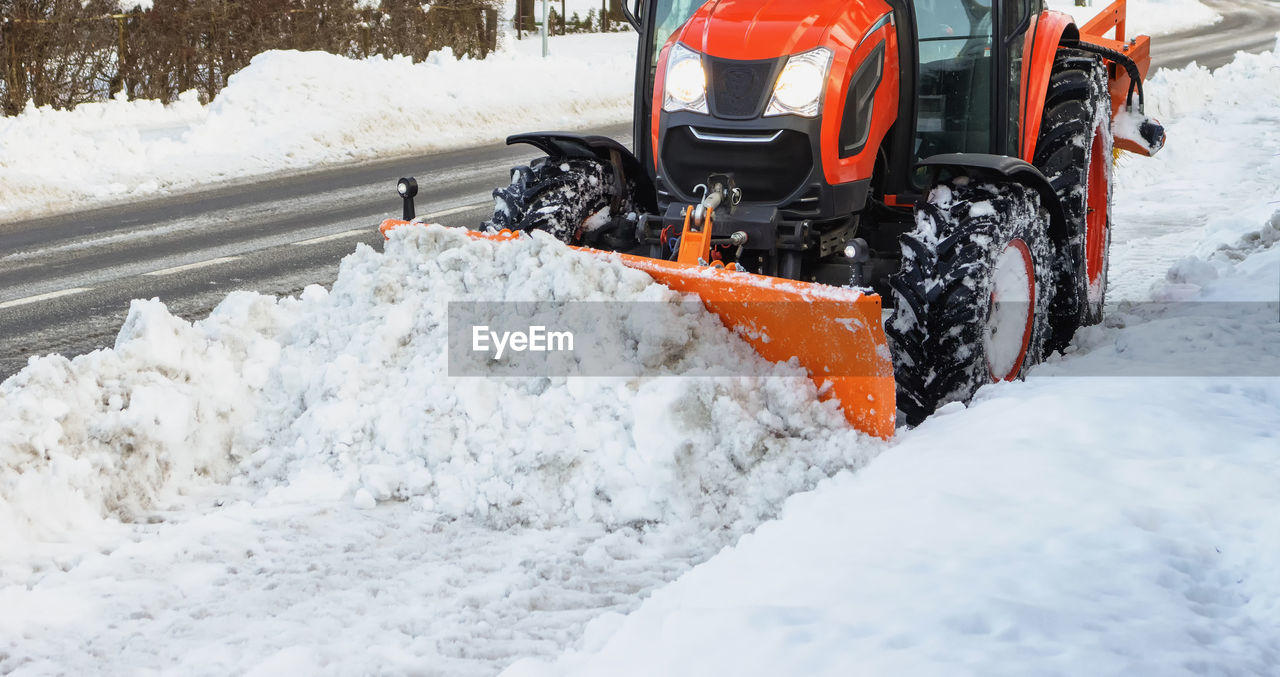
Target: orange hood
(767, 29)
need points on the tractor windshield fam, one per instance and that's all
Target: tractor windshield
(668, 16)
(954, 90)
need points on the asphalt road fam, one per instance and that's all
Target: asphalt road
(66, 281)
(1247, 25)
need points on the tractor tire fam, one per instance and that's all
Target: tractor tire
(1074, 152)
(969, 299)
(565, 198)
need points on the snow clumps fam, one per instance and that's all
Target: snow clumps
(345, 395)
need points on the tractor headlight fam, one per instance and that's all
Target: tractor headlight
(686, 81)
(800, 86)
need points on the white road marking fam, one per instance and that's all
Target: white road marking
(456, 210)
(43, 297)
(335, 236)
(192, 266)
(365, 231)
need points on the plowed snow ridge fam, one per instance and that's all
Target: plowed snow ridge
(348, 389)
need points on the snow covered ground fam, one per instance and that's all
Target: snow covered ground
(290, 111)
(1152, 17)
(293, 486)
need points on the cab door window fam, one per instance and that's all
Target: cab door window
(953, 90)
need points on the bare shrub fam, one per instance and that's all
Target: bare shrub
(64, 52)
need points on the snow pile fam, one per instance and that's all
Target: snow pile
(1222, 139)
(360, 395)
(1149, 17)
(344, 395)
(115, 431)
(294, 110)
(1195, 95)
(1214, 313)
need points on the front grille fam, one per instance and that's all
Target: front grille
(766, 172)
(739, 88)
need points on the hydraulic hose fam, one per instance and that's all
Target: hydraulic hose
(1130, 67)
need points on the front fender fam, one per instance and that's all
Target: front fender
(1002, 168)
(571, 146)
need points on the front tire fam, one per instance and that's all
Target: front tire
(565, 198)
(970, 298)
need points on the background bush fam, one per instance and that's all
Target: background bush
(64, 52)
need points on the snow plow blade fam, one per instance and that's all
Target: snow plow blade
(834, 333)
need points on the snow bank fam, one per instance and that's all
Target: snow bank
(1222, 141)
(115, 431)
(1150, 17)
(344, 395)
(295, 110)
(361, 395)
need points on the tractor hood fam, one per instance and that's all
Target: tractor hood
(767, 29)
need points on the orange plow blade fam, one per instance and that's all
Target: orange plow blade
(834, 333)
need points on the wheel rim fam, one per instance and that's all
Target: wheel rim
(1013, 294)
(1096, 220)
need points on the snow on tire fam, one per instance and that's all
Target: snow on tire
(970, 298)
(564, 198)
(1074, 152)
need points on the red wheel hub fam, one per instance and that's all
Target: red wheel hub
(1013, 307)
(1095, 234)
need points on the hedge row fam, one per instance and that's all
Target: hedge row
(65, 52)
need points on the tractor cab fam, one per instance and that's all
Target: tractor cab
(959, 66)
(970, 65)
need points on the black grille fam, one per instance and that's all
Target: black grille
(766, 172)
(739, 88)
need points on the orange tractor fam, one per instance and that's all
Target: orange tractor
(796, 162)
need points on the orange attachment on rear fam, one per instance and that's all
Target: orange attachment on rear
(1138, 49)
(1050, 28)
(834, 333)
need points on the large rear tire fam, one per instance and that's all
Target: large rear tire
(1074, 152)
(969, 299)
(565, 198)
